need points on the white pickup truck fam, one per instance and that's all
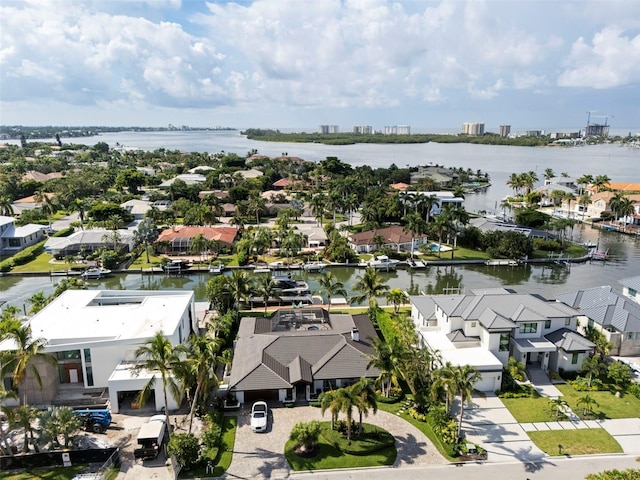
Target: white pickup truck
(151, 437)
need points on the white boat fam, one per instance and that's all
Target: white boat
(315, 266)
(176, 266)
(383, 262)
(216, 269)
(95, 272)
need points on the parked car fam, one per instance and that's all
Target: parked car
(259, 416)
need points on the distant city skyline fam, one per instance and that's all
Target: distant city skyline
(291, 64)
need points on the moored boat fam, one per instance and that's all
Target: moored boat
(176, 266)
(95, 273)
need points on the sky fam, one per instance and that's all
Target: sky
(296, 64)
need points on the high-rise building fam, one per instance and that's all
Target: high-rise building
(505, 130)
(470, 128)
(328, 129)
(363, 129)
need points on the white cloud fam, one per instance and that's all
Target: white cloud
(612, 60)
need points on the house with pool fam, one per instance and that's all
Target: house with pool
(299, 353)
(483, 329)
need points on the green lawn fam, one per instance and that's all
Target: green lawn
(533, 409)
(422, 426)
(609, 406)
(141, 262)
(575, 442)
(58, 473)
(41, 264)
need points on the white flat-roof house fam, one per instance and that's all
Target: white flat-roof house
(442, 198)
(485, 328)
(94, 335)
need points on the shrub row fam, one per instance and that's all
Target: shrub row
(212, 436)
(25, 256)
(65, 232)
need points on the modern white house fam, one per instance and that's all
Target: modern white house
(94, 335)
(14, 239)
(89, 240)
(485, 328)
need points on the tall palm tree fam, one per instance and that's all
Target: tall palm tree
(239, 287)
(427, 202)
(330, 401)
(199, 245)
(159, 356)
(363, 388)
(592, 367)
(370, 286)
(25, 417)
(330, 285)
(200, 363)
(415, 225)
(443, 224)
(600, 181)
(388, 358)
(5, 206)
(28, 351)
(444, 384)
(549, 173)
(466, 377)
(348, 399)
(266, 288)
(583, 181)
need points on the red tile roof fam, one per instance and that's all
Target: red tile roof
(390, 235)
(221, 234)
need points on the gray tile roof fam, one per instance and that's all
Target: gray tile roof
(494, 321)
(273, 360)
(459, 336)
(569, 341)
(631, 282)
(606, 307)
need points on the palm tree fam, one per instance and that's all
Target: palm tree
(25, 417)
(199, 245)
(584, 200)
(549, 173)
(331, 286)
(348, 399)
(330, 401)
(427, 203)
(516, 369)
(442, 224)
(60, 421)
(388, 358)
(239, 287)
(592, 367)
(6, 208)
(558, 404)
(583, 181)
(200, 363)
(444, 384)
(397, 297)
(370, 286)
(415, 225)
(28, 352)
(600, 181)
(589, 402)
(6, 395)
(465, 377)
(364, 389)
(266, 288)
(158, 356)
(318, 206)
(505, 205)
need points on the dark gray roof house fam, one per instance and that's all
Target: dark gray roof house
(299, 353)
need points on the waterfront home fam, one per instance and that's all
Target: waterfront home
(395, 238)
(14, 239)
(90, 240)
(441, 199)
(485, 328)
(177, 240)
(611, 312)
(299, 353)
(94, 334)
(600, 203)
(188, 178)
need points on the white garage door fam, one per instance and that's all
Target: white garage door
(489, 382)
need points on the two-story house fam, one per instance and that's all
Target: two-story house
(487, 327)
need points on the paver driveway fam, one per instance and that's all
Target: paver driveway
(261, 455)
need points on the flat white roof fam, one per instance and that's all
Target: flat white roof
(477, 357)
(82, 317)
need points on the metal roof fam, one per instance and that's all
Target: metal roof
(569, 341)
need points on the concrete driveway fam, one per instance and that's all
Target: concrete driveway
(261, 455)
(489, 423)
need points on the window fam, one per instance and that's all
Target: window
(473, 324)
(547, 324)
(574, 359)
(504, 342)
(567, 321)
(630, 336)
(632, 292)
(528, 327)
(68, 355)
(14, 242)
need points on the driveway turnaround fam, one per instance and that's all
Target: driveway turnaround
(261, 455)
